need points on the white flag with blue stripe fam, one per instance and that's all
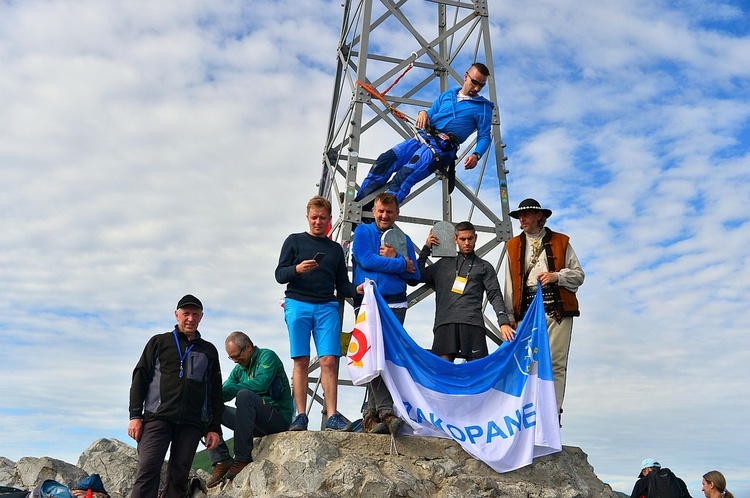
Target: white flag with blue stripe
(501, 408)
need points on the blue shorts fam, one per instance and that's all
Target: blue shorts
(321, 319)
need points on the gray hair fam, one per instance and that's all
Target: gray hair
(240, 339)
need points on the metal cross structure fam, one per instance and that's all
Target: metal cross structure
(414, 50)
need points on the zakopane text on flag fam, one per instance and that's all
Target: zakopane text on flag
(501, 408)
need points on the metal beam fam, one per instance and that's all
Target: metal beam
(379, 40)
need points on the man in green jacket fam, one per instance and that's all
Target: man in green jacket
(263, 404)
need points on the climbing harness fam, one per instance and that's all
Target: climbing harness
(430, 137)
(381, 95)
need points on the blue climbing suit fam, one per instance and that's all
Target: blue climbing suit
(415, 159)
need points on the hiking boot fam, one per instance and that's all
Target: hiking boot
(235, 469)
(393, 423)
(220, 471)
(373, 425)
(336, 423)
(299, 423)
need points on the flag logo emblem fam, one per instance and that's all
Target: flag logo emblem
(358, 346)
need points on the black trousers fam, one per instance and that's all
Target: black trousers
(253, 417)
(158, 436)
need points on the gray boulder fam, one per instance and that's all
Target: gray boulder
(30, 471)
(116, 463)
(330, 464)
(8, 476)
(317, 464)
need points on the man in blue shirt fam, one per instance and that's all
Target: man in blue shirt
(376, 259)
(453, 117)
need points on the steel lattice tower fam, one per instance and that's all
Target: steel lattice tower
(379, 39)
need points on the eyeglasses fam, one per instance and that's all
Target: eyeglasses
(237, 356)
(475, 82)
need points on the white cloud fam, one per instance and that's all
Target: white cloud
(154, 149)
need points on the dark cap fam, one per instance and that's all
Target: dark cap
(190, 300)
(530, 205)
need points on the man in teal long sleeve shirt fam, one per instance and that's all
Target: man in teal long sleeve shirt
(263, 404)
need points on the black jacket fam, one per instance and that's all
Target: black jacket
(660, 483)
(158, 392)
(466, 307)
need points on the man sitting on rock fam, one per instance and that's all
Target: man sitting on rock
(263, 404)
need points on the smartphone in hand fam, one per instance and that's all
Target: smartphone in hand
(319, 257)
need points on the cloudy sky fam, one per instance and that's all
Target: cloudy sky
(151, 149)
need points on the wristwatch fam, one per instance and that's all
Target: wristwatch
(479, 156)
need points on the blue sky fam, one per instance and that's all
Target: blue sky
(151, 149)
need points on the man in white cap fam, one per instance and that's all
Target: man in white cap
(539, 256)
(656, 482)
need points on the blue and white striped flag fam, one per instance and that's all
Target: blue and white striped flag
(501, 409)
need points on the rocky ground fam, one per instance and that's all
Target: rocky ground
(330, 464)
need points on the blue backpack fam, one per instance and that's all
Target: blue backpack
(51, 489)
(91, 486)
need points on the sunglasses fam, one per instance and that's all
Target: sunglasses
(475, 82)
(237, 356)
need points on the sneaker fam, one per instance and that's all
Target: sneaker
(373, 425)
(336, 423)
(299, 423)
(393, 423)
(236, 469)
(220, 471)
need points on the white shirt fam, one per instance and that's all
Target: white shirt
(570, 276)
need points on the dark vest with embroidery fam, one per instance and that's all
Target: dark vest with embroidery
(558, 300)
